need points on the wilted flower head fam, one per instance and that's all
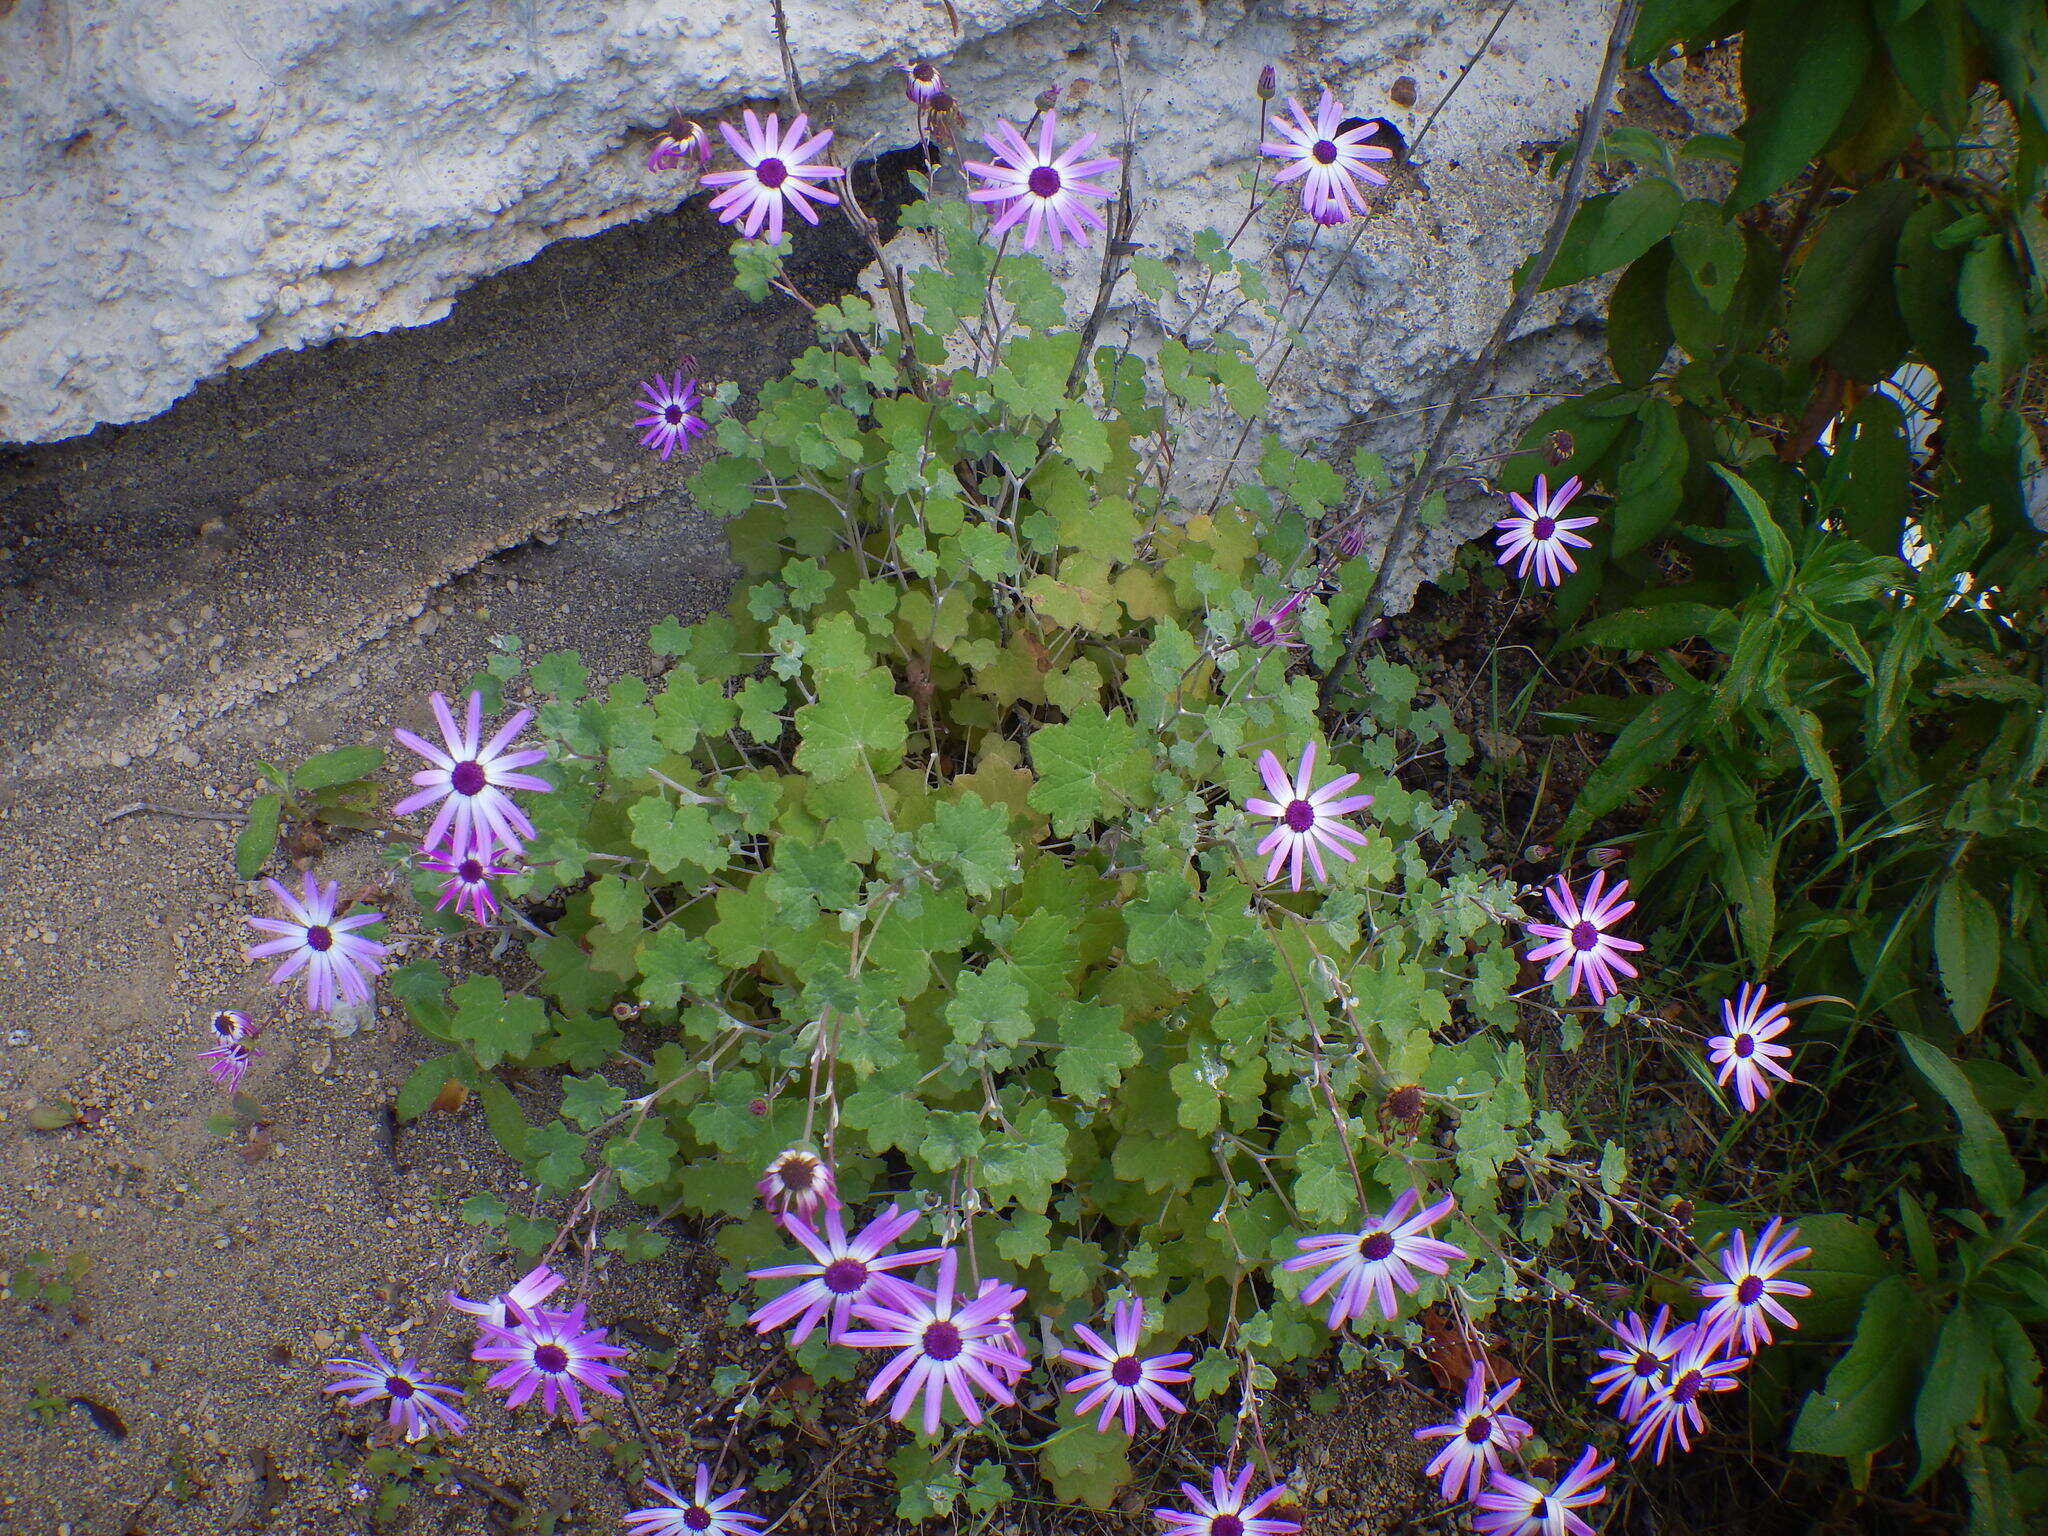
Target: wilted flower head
(417, 1403)
(1745, 1052)
(677, 142)
(1365, 1267)
(534, 1287)
(1269, 82)
(1331, 161)
(1580, 938)
(1044, 189)
(1119, 1379)
(229, 1025)
(552, 1353)
(673, 419)
(230, 1063)
(698, 1514)
(470, 780)
(1309, 818)
(778, 174)
(921, 82)
(799, 1180)
(1269, 626)
(1223, 1510)
(1538, 535)
(338, 961)
(1476, 1439)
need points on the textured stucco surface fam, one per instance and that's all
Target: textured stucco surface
(190, 185)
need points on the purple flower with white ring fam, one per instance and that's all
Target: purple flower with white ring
(1366, 1266)
(1745, 1052)
(1537, 535)
(1223, 1510)
(1044, 189)
(471, 780)
(417, 1404)
(1742, 1303)
(468, 887)
(1514, 1506)
(1579, 938)
(552, 1353)
(533, 1288)
(699, 1514)
(230, 1063)
(941, 1349)
(1119, 1379)
(1671, 1411)
(778, 175)
(921, 82)
(1477, 1438)
(1330, 159)
(844, 1271)
(1308, 817)
(673, 419)
(231, 1024)
(799, 1180)
(338, 961)
(1638, 1365)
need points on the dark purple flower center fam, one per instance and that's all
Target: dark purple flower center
(1750, 1291)
(1745, 1045)
(551, 1358)
(467, 778)
(1647, 1365)
(1324, 151)
(1260, 631)
(923, 73)
(1299, 816)
(1375, 1245)
(1127, 1372)
(1543, 528)
(796, 1173)
(319, 939)
(1226, 1525)
(398, 1387)
(771, 173)
(470, 872)
(696, 1518)
(1043, 181)
(673, 415)
(941, 1341)
(1584, 936)
(844, 1277)
(1687, 1387)
(1479, 1429)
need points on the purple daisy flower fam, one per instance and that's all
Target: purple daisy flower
(534, 1287)
(1579, 938)
(417, 1403)
(1044, 189)
(1222, 1511)
(231, 1024)
(1538, 535)
(338, 962)
(845, 1272)
(921, 82)
(1513, 1506)
(941, 1350)
(672, 420)
(778, 174)
(229, 1063)
(1672, 1409)
(468, 888)
(1121, 1381)
(1635, 1369)
(1308, 817)
(799, 1180)
(1269, 626)
(1477, 1437)
(1366, 1266)
(1741, 1305)
(551, 1352)
(470, 779)
(698, 1515)
(1331, 162)
(1745, 1052)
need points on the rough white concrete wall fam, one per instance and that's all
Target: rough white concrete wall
(187, 185)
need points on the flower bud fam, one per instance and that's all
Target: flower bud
(1269, 83)
(1558, 446)
(922, 83)
(1047, 99)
